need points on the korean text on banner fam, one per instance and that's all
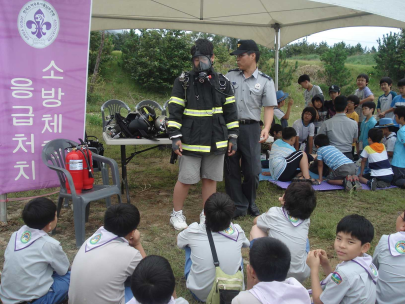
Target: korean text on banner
(43, 78)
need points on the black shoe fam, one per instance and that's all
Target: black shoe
(237, 213)
(253, 210)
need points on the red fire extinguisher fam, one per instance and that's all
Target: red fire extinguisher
(74, 164)
(88, 179)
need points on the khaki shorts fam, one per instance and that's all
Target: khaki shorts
(343, 171)
(192, 168)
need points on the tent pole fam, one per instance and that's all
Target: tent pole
(3, 208)
(276, 54)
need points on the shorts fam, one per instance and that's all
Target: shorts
(193, 168)
(399, 176)
(343, 171)
(293, 163)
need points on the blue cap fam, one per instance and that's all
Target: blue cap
(281, 96)
(385, 123)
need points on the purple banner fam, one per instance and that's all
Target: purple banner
(43, 77)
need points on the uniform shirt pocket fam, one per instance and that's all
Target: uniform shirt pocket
(256, 98)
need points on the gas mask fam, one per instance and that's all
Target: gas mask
(202, 65)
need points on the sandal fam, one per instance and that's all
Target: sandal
(306, 180)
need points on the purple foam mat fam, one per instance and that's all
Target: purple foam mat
(324, 186)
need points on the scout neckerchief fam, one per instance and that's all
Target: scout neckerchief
(396, 243)
(100, 238)
(134, 301)
(365, 262)
(288, 291)
(231, 233)
(27, 236)
(293, 220)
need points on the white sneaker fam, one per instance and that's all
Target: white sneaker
(178, 220)
(202, 218)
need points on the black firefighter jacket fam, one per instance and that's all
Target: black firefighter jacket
(206, 117)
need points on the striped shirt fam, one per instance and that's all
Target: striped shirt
(277, 160)
(332, 157)
(377, 159)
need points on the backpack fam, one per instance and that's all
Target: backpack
(225, 286)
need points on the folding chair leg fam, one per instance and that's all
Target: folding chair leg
(87, 212)
(104, 176)
(119, 198)
(78, 215)
(66, 204)
(60, 202)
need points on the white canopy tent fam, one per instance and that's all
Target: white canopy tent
(271, 23)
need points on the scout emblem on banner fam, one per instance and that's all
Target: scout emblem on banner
(231, 233)
(38, 24)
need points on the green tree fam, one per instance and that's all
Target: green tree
(390, 57)
(156, 57)
(95, 40)
(334, 64)
(286, 70)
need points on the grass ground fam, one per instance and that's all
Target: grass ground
(152, 178)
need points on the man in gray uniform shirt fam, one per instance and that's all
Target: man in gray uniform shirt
(253, 90)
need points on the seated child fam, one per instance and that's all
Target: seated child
(341, 130)
(228, 238)
(267, 276)
(290, 224)
(381, 174)
(367, 124)
(384, 108)
(276, 132)
(107, 259)
(334, 91)
(399, 100)
(279, 116)
(342, 170)
(389, 258)
(305, 130)
(398, 160)
(390, 135)
(363, 93)
(35, 267)
(310, 90)
(153, 282)
(352, 104)
(284, 160)
(322, 113)
(354, 279)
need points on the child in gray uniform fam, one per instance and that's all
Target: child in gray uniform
(354, 279)
(290, 224)
(35, 268)
(389, 258)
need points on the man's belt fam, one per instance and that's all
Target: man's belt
(247, 121)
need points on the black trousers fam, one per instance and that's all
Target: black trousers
(244, 164)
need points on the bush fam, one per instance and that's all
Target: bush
(390, 57)
(334, 63)
(286, 70)
(156, 57)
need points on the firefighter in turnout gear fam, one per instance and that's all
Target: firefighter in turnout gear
(203, 126)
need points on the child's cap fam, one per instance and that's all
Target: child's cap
(318, 97)
(281, 96)
(334, 88)
(385, 123)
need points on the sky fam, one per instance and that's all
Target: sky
(366, 35)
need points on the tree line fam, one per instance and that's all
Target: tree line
(154, 58)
